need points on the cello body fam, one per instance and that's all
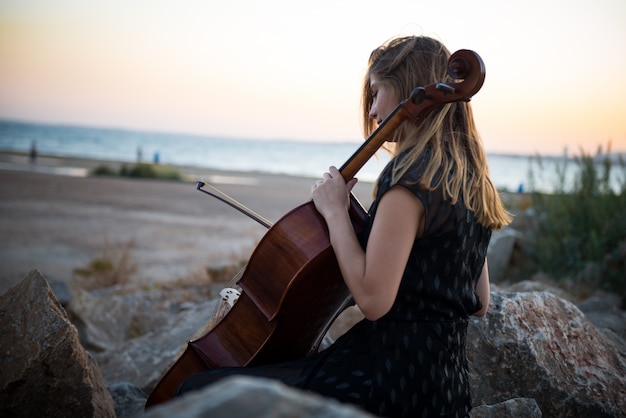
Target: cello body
(259, 328)
(292, 287)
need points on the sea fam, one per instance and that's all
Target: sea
(285, 157)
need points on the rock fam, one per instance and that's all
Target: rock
(61, 292)
(129, 399)
(537, 345)
(533, 353)
(605, 315)
(242, 396)
(108, 317)
(499, 252)
(539, 286)
(513, 408)
(142, 361)
(102, 324)
(608, 318)
(44, 371)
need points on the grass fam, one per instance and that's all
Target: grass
(114, 267)
(581, 228)
(140, 170)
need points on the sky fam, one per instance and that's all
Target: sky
(284, 69)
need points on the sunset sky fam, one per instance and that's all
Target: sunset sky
(293, 70)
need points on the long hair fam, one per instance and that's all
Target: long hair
(457, 160)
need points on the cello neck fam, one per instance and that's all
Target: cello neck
(373, 143)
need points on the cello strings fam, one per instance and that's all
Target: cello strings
(222, 306)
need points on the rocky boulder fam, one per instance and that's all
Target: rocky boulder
(513, 408)
(253, 397)
(535, 352)
(108, 317)
(141, 361)
(500, 251)
(537, 345)
(44, 371)
(243, 396)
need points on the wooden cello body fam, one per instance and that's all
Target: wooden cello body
(292, 288)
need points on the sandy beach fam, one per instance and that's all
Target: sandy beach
(55, 217)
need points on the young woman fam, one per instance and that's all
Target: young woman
(419, 269)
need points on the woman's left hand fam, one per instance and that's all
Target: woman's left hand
(331, 193)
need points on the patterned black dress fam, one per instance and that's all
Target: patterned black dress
(411, 362)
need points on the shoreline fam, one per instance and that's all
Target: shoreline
(56, 218)
(82, 166)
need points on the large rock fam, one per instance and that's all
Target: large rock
(243, 396)
(102, 323)
(141, 361)
(129, 400)
(108, 317)
(606, 316)
(537, 345)
(525, 286)
(510, 351)
(44, 371)
(513, 408)
(500, 251)
(253, 397)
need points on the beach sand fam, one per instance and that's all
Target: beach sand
(55, 218)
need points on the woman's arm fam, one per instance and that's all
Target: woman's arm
(373, 277)
(483, 289)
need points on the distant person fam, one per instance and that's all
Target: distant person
(32, 155)
(156, 157)
(419, 269)
(139, 155)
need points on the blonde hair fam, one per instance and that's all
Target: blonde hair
(457, 160)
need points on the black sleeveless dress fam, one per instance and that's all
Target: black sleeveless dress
(412, 361)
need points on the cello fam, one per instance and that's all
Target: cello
(291, 288)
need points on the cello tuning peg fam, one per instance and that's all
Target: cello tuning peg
(445, 88)
(418, 95)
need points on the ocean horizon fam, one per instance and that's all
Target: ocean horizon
(509, 172)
